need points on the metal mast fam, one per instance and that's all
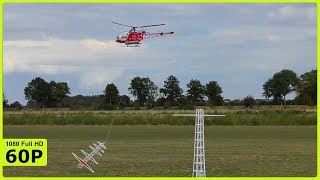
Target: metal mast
(199, 160)
(199, 165)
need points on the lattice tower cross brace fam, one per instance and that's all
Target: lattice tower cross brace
(199, 165)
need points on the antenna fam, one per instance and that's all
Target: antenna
(97, 149)
(199, 165)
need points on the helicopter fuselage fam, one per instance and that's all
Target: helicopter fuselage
(129, 38)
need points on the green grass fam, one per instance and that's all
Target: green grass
(244, 117)
(168, 150)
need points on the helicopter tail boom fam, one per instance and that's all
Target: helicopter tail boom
(150, 35)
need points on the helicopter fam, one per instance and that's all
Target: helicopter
(135, 35)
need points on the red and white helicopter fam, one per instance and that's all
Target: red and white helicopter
(134, 37)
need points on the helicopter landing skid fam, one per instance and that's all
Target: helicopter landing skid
(131, 45)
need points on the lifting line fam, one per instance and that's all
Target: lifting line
(114, 117)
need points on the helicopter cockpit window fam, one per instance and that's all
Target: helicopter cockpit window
(122, 35)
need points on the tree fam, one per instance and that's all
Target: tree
(85, 102)
(16, 105)
(236, 102)
(144, 90)
(46, 94)
(111, 93)
(307, 88)
(125, 100)
(5, 102)
(137, 89)
(249, 101)
(213, 92)
(171, 90)
(38, 90)
(195, 91)
(31, 104)
(281, 84)
(58, 91)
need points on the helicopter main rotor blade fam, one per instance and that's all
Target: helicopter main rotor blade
(151, 25)
(123, 25)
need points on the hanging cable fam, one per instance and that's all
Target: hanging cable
(114, 117)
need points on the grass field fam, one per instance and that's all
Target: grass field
(165, 150)
(265, 115)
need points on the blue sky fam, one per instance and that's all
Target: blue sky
(238, 45)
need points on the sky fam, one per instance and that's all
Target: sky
(238, 45)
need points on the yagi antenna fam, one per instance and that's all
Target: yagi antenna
(97, 149)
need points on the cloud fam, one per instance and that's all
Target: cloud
(264, 34)
(98, 77)
(294, 12)
(94, 61)
(59, 56)
(95, 44)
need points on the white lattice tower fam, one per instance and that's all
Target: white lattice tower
(199, 158)
(199, 165)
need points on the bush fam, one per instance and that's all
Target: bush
(15, 105)
(249, 101)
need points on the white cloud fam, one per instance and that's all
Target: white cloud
(291, 12)
(96, 62)
(94, 44)
(268, 34)
(58, 56)
(98, 77)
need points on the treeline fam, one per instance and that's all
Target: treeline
(42, 94)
